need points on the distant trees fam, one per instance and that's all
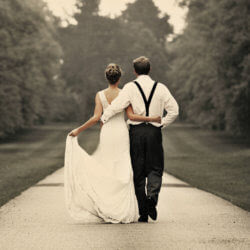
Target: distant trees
(30, 86)
(210, 64)
(96, 41)
(207, 67)
(147, 14)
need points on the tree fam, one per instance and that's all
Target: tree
(146, 13)
(209, 65)
(29, 63)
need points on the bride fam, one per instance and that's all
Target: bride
(99, 187)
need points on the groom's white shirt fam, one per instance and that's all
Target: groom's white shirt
(130, 94)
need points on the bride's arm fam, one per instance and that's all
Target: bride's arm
(140, 118)
(93, 120)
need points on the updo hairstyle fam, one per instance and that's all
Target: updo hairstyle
(113, 73)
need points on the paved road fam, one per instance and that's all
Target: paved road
(188, 219)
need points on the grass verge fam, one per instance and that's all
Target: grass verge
(209, 160)
(29, 156)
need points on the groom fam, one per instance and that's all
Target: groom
(151, 99)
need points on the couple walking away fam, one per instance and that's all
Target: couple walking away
(110, 185)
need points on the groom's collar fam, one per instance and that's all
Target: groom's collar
(143, 77)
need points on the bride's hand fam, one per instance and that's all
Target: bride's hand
(156, 119)
(74, 132)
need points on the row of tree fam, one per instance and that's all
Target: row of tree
(52, 72)
(30, 87)
(206, 67)
(211, 63)
(48, 72)
(97, 41)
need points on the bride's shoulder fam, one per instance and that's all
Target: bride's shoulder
(100, 92)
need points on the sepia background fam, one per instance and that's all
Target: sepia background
(53, 55)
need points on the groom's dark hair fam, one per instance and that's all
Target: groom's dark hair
(141, 65)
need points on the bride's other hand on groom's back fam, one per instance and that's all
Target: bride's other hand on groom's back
(141, 118)
(156, 119)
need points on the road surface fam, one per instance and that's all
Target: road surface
(188, 219)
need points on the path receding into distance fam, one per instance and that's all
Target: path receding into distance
(188, 219)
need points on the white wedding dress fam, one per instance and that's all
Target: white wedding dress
(99, 187)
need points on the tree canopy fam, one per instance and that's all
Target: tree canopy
(29, 66)
(210, 65)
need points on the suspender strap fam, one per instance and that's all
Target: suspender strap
(146, 102)
(142, 93)
(151, 94)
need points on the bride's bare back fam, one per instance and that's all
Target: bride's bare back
(111, 94)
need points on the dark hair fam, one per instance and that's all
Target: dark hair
(113, 73)
(141, 65)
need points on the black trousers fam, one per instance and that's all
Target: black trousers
(147, 161)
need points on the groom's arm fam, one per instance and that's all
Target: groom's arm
(171, 107)
(120, 103)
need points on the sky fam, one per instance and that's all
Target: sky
(66, 8)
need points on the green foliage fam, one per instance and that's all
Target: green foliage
(96, 41)
(210, 65)
(29, 64)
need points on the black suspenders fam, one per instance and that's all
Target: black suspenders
(147, 102)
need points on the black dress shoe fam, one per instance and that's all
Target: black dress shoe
(143, 218)
(152, 212)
